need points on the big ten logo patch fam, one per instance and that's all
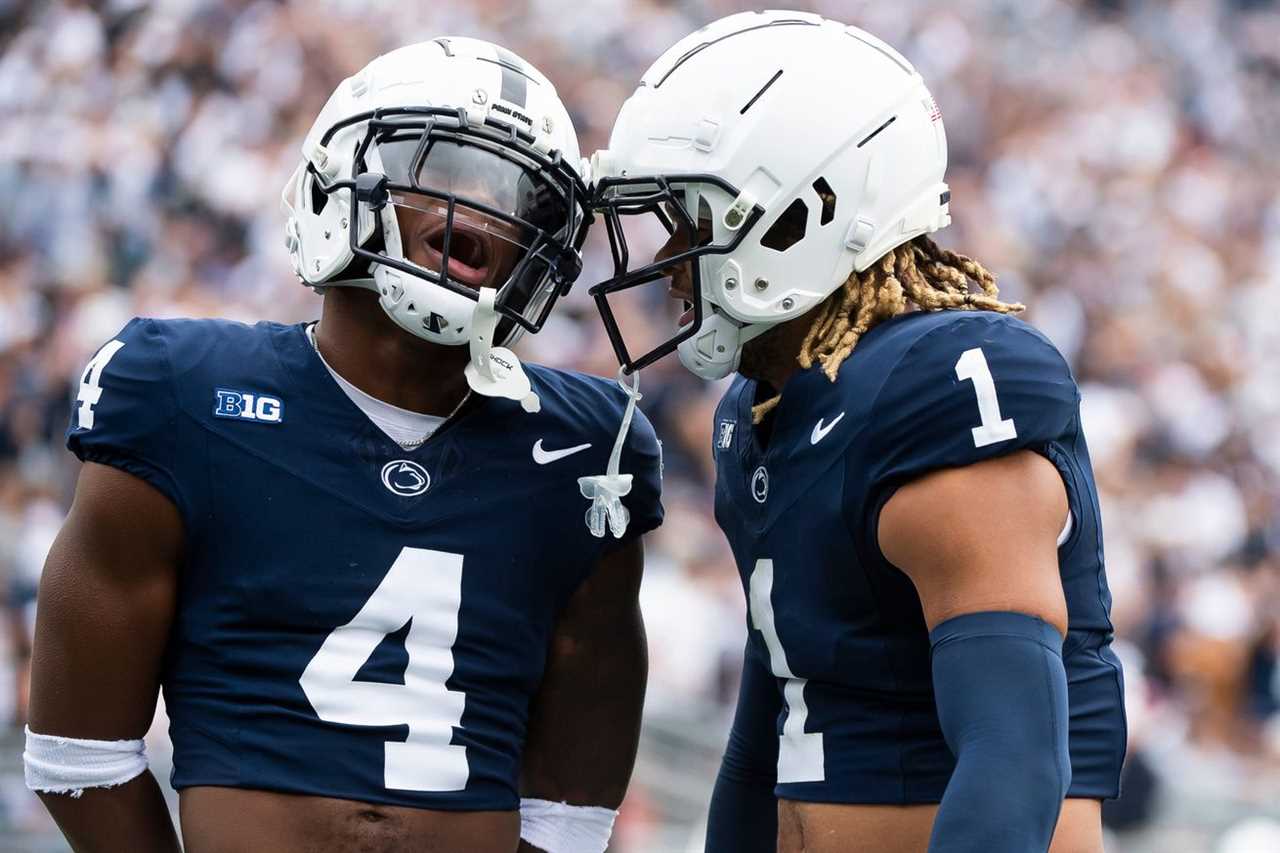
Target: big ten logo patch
(724, 438)
(247, 406)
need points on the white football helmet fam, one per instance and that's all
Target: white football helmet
(439, 169)
(790, 150)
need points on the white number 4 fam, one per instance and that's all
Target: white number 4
(973, 365)
(90, 387)
(425, 586)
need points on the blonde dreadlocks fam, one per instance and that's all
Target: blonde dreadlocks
(919, 272)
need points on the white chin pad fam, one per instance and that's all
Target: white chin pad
(423, 308)
(65, 765)
(715, 349)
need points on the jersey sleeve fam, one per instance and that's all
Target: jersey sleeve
(642, 458)
(969, 390)
(123, 408)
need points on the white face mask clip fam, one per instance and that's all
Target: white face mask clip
(606, 491)
(496, 371)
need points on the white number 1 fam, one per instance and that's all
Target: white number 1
(425, 586)
(973, 365)
(800, 753)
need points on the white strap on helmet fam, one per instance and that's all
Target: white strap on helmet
(562, 828)
(67, 765)
(496, 371)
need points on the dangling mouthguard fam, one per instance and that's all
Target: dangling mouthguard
(606, 491)
(497, 372)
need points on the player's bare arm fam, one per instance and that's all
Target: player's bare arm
(982, 537)
(584, 724)
(1010, 565)
(930, 530)
(106, 603)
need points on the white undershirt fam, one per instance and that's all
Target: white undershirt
(407, 429)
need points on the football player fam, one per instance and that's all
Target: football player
(901, 471)
(352, 553)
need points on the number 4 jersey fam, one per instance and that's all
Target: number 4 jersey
(841, 629)
(354, 620)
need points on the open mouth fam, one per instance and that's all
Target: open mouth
(686, 301)
(470, 253)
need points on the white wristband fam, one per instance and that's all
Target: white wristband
(562, 828)
(67, 765)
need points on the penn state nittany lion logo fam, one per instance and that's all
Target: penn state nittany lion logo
(405, 478)
(760, 485)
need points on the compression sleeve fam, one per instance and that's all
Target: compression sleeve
(1001, 692)
(744, 811)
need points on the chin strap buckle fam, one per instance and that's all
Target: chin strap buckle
(606, 491)
(496, 371)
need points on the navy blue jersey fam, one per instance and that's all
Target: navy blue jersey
(354, 619)
(838, 625)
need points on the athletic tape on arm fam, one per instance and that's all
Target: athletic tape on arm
(562, 828)
(66, 765)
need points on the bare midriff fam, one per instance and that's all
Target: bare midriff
(840, 828)
(237, 820)
(832, 827)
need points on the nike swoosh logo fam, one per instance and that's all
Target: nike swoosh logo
(820, 431)
(543, 457)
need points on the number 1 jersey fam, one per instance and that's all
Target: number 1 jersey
(354, 620)
(838, 626)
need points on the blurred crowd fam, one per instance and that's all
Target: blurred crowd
(1115, 161)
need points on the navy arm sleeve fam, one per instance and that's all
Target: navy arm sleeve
(744, 810)
(1001, 690)
(124, 409)
(979, 386)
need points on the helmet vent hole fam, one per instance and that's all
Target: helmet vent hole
(828, 198)
(788, 229)
(757, 95)
(877, 131)
(319, 198)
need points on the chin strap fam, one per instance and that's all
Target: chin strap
(606, 491)
(496, 371)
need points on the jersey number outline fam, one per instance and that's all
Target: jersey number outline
(423, 587)
(91, 382)
(800, 753)
(994, 428)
